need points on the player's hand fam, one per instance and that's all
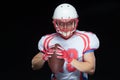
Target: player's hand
(63, 54)
(47, 53)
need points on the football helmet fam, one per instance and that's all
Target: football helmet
(65, 20)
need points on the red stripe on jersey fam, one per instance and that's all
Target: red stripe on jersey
(47, 40)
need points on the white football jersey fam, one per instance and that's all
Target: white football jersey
(79, 44)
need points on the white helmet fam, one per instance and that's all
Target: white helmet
(67, 14)
(65, 11)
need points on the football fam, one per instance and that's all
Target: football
(54, 63)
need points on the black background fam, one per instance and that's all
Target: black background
(26, 21)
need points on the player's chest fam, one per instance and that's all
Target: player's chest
(73, 46)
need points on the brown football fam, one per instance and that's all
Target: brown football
(55, 64)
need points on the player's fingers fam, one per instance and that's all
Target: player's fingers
(60, 57)
(59, 47)
(49, 56)
(49, 53)
(59, 53)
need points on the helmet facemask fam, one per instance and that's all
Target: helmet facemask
(65, 27)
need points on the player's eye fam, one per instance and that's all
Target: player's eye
(69, 23)
(60, 24)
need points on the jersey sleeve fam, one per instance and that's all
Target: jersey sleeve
(93, 42)
(41, 43)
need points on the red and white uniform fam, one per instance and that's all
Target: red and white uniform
(79, 44)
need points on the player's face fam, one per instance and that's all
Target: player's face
(65, 26)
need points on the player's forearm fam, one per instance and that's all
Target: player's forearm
(36, 64)
(83, 66)
(37, 61)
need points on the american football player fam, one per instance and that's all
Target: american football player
(77, 47)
